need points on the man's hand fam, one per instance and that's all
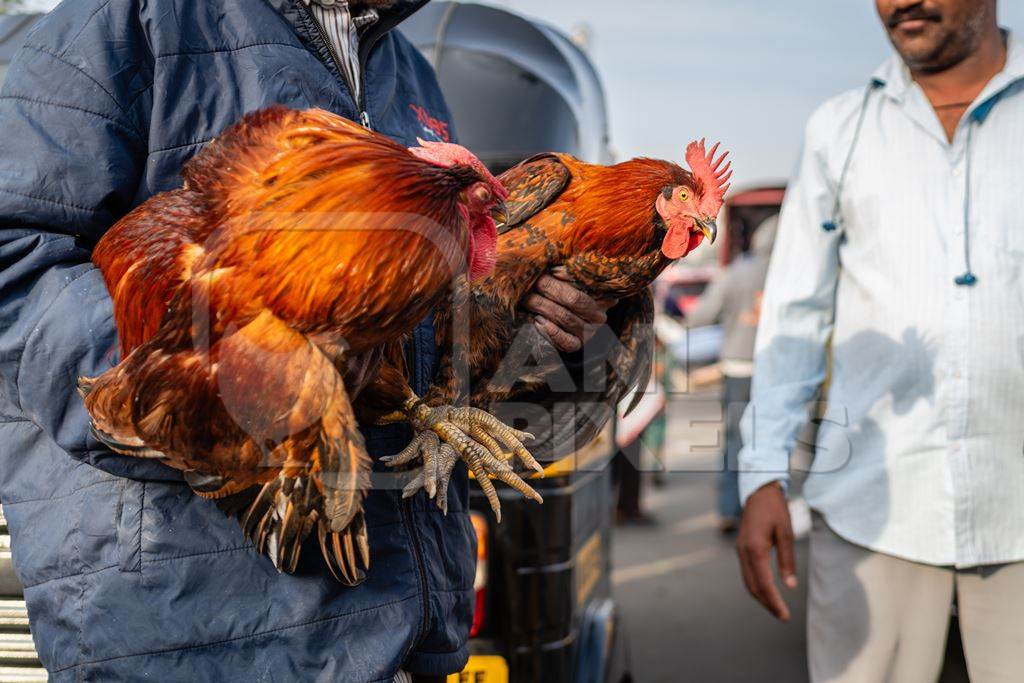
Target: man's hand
(568, 316)
(765, 525)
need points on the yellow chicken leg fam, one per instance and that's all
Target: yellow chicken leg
(446, 434)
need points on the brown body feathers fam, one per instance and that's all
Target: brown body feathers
(255, 302)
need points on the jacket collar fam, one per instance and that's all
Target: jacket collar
(389, 19)
(295, 12)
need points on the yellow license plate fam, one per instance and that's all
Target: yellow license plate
(482, 669)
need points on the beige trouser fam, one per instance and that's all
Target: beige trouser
(873, 617)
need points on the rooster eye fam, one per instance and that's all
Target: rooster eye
(684, 195)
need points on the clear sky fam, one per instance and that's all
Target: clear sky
(748, 72)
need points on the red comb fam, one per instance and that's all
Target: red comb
(447, 154)
(711, 173)
(443, 153)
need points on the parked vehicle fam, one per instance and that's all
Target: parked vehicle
(744, 211)
(545, 609)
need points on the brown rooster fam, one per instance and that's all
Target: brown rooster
(256, 301)
(612, 230)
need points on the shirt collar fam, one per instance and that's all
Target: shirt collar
(361, 20)
(894, 76)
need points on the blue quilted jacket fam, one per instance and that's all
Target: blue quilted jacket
(127, 575)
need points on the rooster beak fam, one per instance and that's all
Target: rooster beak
(709, 227)
(500, 213)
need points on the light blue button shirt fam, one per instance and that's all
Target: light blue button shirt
(921, 451)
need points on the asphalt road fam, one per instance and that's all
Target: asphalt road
(685, 610)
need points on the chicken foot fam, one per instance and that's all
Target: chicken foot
(445, 435)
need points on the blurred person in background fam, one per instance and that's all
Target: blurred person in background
(626, 473)
(654, 435)
(641, 438)
(901, 245)
(733, 300)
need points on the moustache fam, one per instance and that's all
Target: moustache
(916, 13)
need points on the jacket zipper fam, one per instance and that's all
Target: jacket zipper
(364, 118)
(360, 101)
(365, 47)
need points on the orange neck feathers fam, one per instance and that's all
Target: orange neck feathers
(615, 207)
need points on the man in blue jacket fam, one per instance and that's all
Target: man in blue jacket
(127, 574)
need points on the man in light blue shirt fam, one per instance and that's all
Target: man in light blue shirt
(901, 254)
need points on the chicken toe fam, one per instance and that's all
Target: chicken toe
(446, 434)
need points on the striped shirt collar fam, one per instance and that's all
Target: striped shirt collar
(361, 20)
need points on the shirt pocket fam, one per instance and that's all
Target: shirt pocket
(1013, 240)
(881, 223)
(1005, 215)
(864, 241)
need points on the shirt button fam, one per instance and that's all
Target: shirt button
(958, 172)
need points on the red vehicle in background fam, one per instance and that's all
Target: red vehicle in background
(743, 212)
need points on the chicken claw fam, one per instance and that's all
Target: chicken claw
(446, 435)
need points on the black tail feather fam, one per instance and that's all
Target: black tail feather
(281, 516)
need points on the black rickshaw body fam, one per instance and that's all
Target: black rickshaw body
(546, 609)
